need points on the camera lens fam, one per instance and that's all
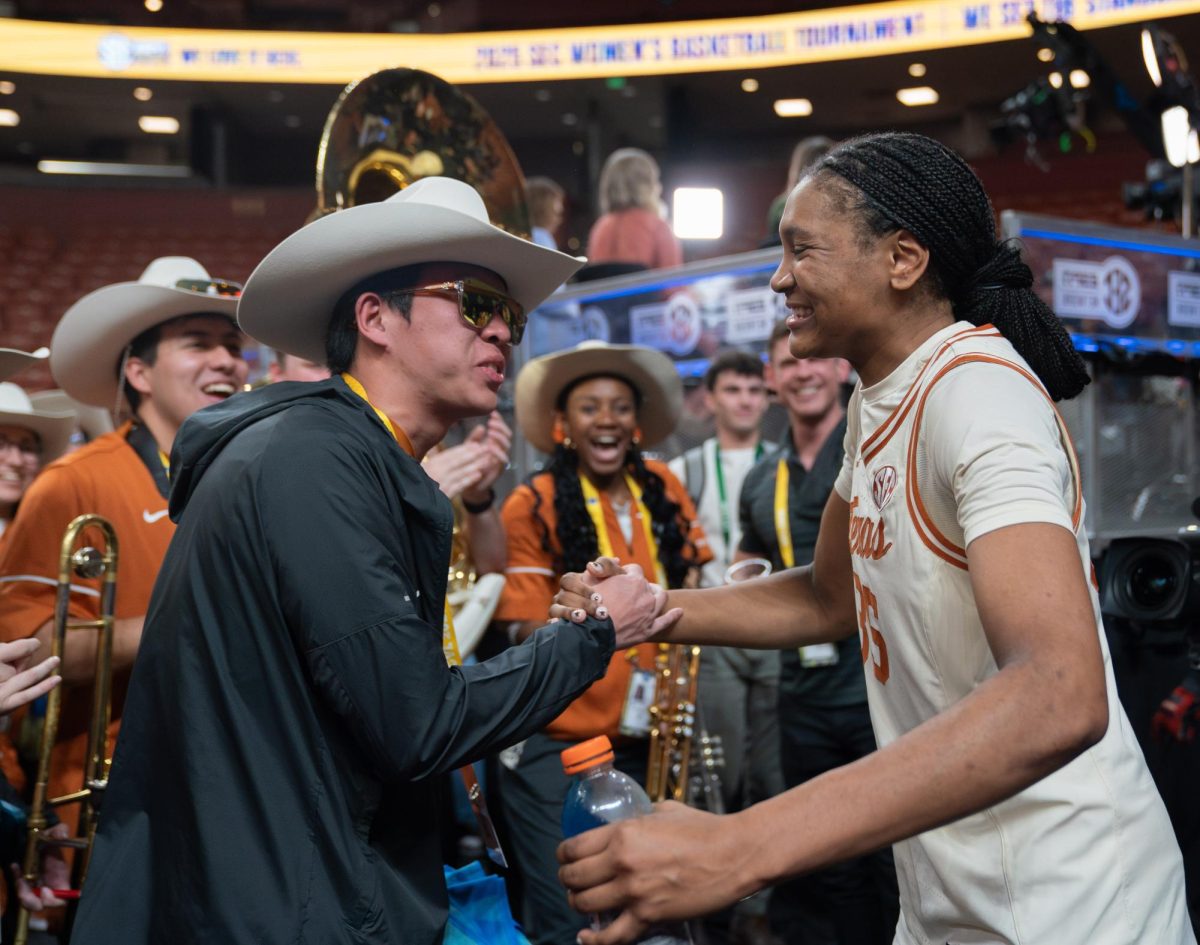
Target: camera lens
(1153, 581)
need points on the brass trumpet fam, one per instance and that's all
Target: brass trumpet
(672, 721)
(85, 562)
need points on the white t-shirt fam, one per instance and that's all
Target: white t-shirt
(735, 464)
(959, 440)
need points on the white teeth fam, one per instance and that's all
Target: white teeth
(219, 390)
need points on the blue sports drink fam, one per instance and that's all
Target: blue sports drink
(599, 795)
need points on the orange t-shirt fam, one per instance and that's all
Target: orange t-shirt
(531, 584)
(106, 477)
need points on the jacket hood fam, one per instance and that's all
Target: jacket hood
(205, 433)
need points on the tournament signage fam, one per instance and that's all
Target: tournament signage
(541, 55)
(1134, 289)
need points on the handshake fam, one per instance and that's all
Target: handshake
(638, 609)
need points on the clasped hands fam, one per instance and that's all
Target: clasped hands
(605, 590)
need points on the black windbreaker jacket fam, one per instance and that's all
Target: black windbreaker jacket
(290, 711)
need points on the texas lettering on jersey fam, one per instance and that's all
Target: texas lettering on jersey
(867, 539)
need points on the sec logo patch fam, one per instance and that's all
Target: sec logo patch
(883, 486)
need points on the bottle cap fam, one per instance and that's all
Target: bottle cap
(595, 751)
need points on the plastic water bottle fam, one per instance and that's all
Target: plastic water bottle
(599, 795)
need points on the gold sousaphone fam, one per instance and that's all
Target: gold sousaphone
(399, 125)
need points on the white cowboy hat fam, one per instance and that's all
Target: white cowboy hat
(12, 360)
(85, 353)
(290, 297)
(53, 428)
(93, 421)
(651, 373)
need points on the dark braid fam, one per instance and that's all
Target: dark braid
(574, 529)
(577, 535)
(912, 182)
(664, 520)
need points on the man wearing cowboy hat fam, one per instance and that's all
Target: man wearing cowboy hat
(169, 343)
(277, 778)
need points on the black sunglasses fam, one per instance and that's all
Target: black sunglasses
(479, 303)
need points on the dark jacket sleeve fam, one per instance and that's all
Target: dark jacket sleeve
(350, 600)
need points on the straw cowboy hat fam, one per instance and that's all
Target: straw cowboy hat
(85, 353)
(290, 297)
(54, 428)
(93, 421)
(651, 373)
(12, 360)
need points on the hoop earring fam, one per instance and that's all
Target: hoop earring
(637, 436)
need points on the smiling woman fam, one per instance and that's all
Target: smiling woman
(592, 408)
(29, 438)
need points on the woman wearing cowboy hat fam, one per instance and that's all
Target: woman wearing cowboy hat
(592, 408)
(28, 439)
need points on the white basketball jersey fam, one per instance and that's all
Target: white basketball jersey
(959, 440)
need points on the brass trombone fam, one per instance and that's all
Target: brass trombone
(89, 563)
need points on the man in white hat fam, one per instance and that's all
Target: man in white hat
(278, 775)
(170, 345)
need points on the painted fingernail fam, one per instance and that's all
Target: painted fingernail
(596, 598)
(578, 614)
(602, 613)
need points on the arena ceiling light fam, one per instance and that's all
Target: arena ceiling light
(143, 94)
(919, 95)
(916, 70)
(698, 213)
(9, 118)
(159, 124)
(793, 107)
(750, 85)
(7, 87)
(113, 169)
(1079, 79)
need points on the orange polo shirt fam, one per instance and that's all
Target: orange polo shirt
(108, 478)
(532, 583)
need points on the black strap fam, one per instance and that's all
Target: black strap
(146, 447)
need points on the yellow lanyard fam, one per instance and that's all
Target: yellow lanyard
(595, 510)
(783, 522)
(166, 463)
(449, 639)
(399, 435)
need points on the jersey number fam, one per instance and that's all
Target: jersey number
(868, 617)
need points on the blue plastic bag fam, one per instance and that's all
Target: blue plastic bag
(479, 913)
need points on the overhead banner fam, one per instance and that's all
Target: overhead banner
(761, 42)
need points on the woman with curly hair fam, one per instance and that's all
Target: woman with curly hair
(592, 408)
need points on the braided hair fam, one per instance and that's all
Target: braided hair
(575, 530)
(896, 181)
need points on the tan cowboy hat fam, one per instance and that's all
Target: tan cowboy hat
(12, 360)
(651, 373)
(290, 297)
(52, 427)
(93, 421)
(85, 353)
